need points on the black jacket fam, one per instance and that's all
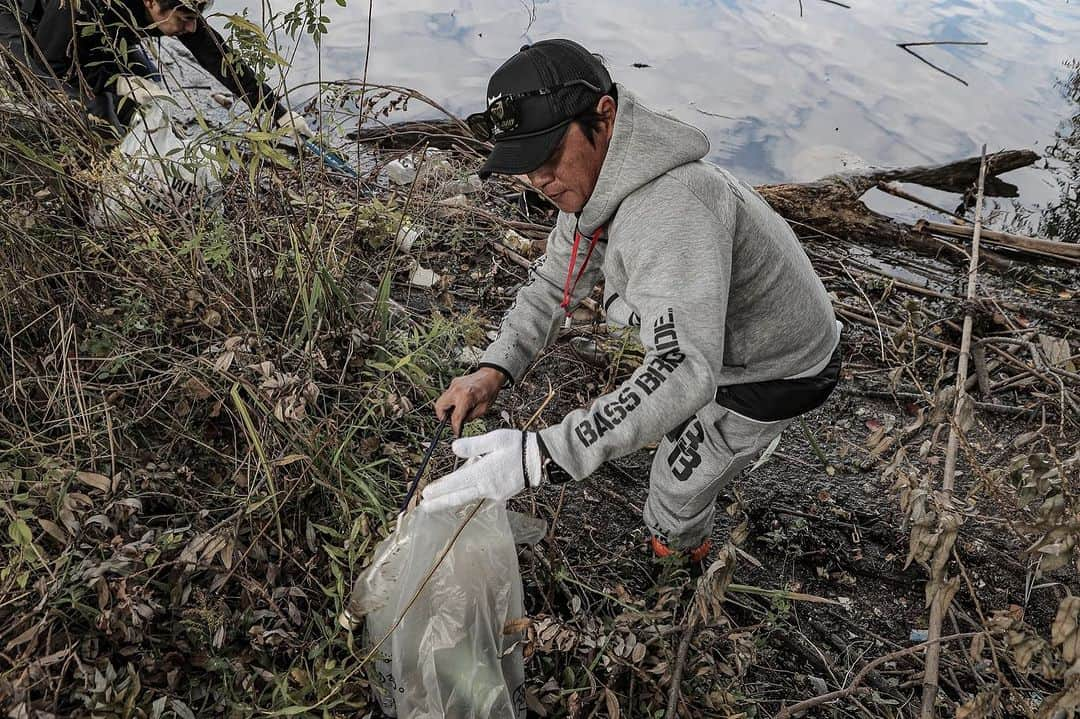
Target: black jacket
(86, 48)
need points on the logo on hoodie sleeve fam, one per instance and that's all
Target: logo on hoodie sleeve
(662, 360)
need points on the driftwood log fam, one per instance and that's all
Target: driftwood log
(442, 134)
(832, 206)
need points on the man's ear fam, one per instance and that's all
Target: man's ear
(606, 108)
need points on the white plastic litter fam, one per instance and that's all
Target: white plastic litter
(468, 186)
(454, 201)
(470, 355)
(400, 172)
(431, 167)
(436, 163)
(517, 243)
(155, 171)
(408, 235)
(423, 277)
(449, 656)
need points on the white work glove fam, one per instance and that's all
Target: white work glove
(500, 464)
(295, 123)
(139, 89)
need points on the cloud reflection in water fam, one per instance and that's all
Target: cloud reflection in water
(805, 93)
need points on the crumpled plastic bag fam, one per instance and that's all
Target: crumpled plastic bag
(156, 172)
(449, 656)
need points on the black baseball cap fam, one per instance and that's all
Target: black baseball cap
(542, 119)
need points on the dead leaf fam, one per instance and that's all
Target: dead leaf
(1057, 352)
(709, 597)
(26, 636)
(1064, 703)
(916, 424)
(265, 368)
(943, 403)
(612, 703)
(982, 706)
(883, 446)
(965, 413)
(1024, 438)
(224, 362)
(948, 526)
(978, 643)
(54, 530)
(533, 703)
(516, 626)
(740, 533)
(196, 388)
(98, 481)
(289, 459)
(1065, 632)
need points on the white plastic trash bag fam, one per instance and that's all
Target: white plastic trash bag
(449, 656)
(155, 171)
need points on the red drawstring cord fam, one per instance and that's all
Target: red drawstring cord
(571, 281)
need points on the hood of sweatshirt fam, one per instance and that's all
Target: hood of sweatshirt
(644, 145)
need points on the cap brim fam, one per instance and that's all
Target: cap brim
(518, 156)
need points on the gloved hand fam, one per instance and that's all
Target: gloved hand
(295, 123)
(139, 89)
(501, 464)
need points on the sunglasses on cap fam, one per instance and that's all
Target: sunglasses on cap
(503, 114)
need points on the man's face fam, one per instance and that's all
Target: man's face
(172, 21)
(569, 176)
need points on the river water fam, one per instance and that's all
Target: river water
(782, 93)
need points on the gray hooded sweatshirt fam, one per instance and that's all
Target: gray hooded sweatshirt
(716, 280)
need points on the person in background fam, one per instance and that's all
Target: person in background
(739, 333)
(92, 51)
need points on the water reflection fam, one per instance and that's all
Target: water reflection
(781, 97)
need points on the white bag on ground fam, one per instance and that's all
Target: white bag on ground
(449, 656)
(156, 172)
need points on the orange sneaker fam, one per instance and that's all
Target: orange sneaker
(667, 562)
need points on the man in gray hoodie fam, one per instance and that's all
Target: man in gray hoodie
(739, 333)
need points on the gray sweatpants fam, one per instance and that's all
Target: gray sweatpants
(693, 464)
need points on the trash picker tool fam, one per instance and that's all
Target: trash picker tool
(424, 462)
